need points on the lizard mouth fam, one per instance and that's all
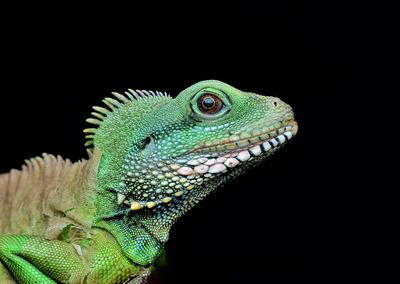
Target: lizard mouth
(207, 161)
(256, 142)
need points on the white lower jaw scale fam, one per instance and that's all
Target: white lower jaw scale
(243, 156)
(256, 150)
(281, 139)
(274, 142)
(288, 134)
(266, 146)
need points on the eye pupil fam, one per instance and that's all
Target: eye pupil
(208, 103)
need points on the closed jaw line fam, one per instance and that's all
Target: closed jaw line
(244, 140)
(242, 154)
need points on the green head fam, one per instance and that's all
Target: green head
(161, 156)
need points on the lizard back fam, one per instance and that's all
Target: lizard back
(42, 191)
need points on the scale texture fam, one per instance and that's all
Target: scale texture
(151, 159)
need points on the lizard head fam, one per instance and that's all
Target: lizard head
(161, 156)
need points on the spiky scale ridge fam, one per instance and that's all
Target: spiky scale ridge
(101, 113)
(136, 96)
(93, 121)
(101, 110)
(120, 97)
(89, 130)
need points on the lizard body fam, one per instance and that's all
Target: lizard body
(152, 158)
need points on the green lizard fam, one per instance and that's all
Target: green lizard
(151, 159)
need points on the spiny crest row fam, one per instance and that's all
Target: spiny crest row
(100, 112)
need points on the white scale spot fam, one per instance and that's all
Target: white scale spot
(288, 134)
(221, 160)
(243, 156)
(193, 163)
(202, 160)
(175, 166)
(210, 162)
(266, 146)
(217, 168)
(231, 162)
(185, 171)
(256, 150)
(274, 142)
(281, 139)
(201, 169)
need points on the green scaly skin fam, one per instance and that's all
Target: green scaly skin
(152, 159)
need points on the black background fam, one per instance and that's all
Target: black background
(292, 219)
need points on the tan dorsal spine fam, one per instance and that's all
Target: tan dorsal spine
(46, 189)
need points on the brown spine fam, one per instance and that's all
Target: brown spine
(43, 189)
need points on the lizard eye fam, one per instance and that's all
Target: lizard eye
(209, 104)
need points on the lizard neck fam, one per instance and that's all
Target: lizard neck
(140, 233)
(160, 221)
